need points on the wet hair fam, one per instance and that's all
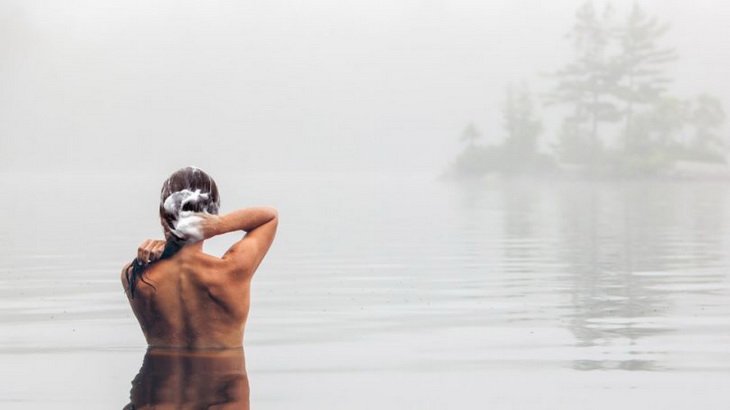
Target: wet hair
(186, 192)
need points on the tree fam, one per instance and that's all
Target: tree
(674, 129)
(470, 135)
(573, 146)
(641, 66)
(520, 124)
(706, 118)
(660, 126)
(587, 83)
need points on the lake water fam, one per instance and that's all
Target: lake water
(393, 292)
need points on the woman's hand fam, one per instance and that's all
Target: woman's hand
(210, 225)
(150, 250)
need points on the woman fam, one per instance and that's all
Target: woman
(182, 297)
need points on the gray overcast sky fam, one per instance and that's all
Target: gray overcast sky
(289, 85)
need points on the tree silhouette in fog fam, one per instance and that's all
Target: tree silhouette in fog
(619, 116)
(517, 153)
(642, 64)
(586, 85)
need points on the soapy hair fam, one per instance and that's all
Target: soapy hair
(184, 194)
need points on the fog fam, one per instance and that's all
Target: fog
(286, 86)
(577, 258)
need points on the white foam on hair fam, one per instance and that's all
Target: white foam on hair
(176, 201)
(187, 225)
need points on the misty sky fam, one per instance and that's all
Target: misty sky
(267, 86)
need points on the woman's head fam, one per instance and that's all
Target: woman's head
(186, 192)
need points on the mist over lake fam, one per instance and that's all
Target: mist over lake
(449, 238)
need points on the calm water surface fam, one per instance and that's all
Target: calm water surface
(392, 293)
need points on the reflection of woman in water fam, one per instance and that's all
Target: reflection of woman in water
(192, 306)
(190, 379)
(182, 297)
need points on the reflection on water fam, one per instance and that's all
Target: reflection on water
(605, 246)
(173, 378)
(621, 249)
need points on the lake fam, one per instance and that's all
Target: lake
(393, 292)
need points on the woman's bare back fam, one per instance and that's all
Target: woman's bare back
(191, 301)
(196, 300)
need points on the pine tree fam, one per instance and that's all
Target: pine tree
(587, 83)
(520, 123)
(642, 66)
